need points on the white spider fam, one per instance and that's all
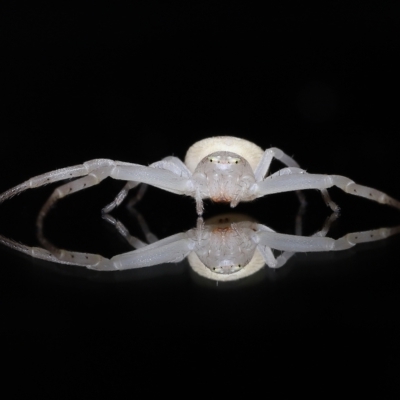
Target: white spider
(223, 168)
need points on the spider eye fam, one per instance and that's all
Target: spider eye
(233, 160)
(213, 159)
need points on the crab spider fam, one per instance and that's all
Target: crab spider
(223, 168)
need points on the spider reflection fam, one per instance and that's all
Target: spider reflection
(227, 247)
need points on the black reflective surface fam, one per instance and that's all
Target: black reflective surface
(141, 83)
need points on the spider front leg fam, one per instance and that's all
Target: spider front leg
(325, 195)
(263, 168)
(291, 182)
(93, 172)
(170, 163)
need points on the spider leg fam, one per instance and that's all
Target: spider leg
(265, 162)
(170, 163)
(325, 195)
(301, 181)
(57, 175)
(93, 172)
(119, 198)
(123, 231)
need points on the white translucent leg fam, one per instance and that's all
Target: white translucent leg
(138, 196)
(172, 249)
(135, 242)
(57, 175)
(88, 260)
(172, 164)
(93, 172)
(263, 168)
(169, 250)
(294, 244)
(286, 183)
(265, 162)
(325, 195)
(119, 198)
(281, 260)
(160, 178)
(94, 178)
(123, 231)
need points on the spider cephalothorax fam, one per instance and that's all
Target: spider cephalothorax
(224, 177)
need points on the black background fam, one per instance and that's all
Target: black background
(142, 81)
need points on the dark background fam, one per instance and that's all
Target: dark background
(140, 82)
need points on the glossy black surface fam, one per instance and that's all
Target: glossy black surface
(140, 83)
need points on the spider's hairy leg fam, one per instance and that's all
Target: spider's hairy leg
(123, 231)
(286, 183)
(170, 163)
(265, 162)
(93, 178)
(325, 195)
(93, 172)
(119, 198)
(57, 175)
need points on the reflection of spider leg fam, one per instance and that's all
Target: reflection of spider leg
(172, 164)
(279, 261)
(59, 256)
(171, 249)
(138, 196)
(290, 244)
(286, 255)
(123, 231)
(291, 182)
